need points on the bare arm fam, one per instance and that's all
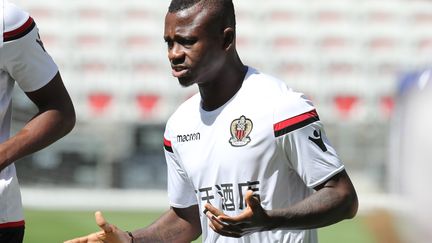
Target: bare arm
(180, 225)
(56, 117)
(333, 201)
(176, 225)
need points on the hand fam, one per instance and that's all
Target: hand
(109, 233)
(253, 219)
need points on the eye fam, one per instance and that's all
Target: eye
(187, 42)
(169, 43)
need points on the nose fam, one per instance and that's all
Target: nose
(176, 54)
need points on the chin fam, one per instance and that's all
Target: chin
(186, 81)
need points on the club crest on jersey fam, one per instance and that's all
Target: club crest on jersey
(240, 130)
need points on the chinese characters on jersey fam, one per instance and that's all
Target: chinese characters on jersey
(226, 193)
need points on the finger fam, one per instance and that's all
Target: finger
(102, 223)
(214, 211)
(252, 200)
(234, 220)
(253, 206)
(78, 240)
(220, 222)
(213, 214)
(230, 234)
(223, 228)
(225, 231)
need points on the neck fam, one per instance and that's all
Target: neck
(224, 87)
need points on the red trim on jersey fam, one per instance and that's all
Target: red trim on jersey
(167, 142)
(167, 145)
(12, 224)
(295, 122)
(19, 32)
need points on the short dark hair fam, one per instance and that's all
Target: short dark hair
(178, 5)
(225, 8)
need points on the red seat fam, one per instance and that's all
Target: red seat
(99, 102)
(147, 102)
(387, 104)
(345, 104)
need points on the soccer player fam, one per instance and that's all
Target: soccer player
(23, 60)
(248, 159)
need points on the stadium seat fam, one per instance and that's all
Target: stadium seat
(284, 12)
(294, 39)
(307, 44)
(137, 11)
(382, 13)
(295, 68)
(249, 12)
(387, 104)
(345, 105)
(89, 11)
(419, 13)
(147, 103)
(332, 13)
(99, 102)
(341, 72)
(144, 64)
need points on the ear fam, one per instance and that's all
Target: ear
(228, 38)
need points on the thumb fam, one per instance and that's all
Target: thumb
(102, 223)
(253, 201)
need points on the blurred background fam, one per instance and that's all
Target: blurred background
(358, 60)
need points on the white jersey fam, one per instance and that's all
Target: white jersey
(22, 60)
(267, 138)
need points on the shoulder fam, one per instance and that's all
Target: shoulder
(185, 112)
(286, 102)
(263, 83)
(14, 17)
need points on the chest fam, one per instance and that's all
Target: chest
(229, 147)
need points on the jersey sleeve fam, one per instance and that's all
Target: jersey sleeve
(181, 193)
(301, 136)
(28, 63)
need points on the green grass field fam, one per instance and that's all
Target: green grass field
(57, 226)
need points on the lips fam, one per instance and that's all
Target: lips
(179, 71)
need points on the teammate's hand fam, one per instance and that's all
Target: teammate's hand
(253, 219)
(109, 233)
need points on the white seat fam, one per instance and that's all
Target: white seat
(382, 13)
(284, 12)
(332, 13)
(282, 38)
(141, 11)
(140, 37)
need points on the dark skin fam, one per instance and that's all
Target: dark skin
(55, 118)
(207, 53)
(203, 53)
(332, 202)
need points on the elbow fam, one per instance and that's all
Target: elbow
(68, 121)
(351, 205)
(353, 209)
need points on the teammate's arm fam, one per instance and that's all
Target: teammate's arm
(55, 118)
(333, 201)
(176, 225)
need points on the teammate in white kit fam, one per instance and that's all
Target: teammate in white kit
(248, 159)
(23, 60)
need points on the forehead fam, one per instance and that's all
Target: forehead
(188, 20)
